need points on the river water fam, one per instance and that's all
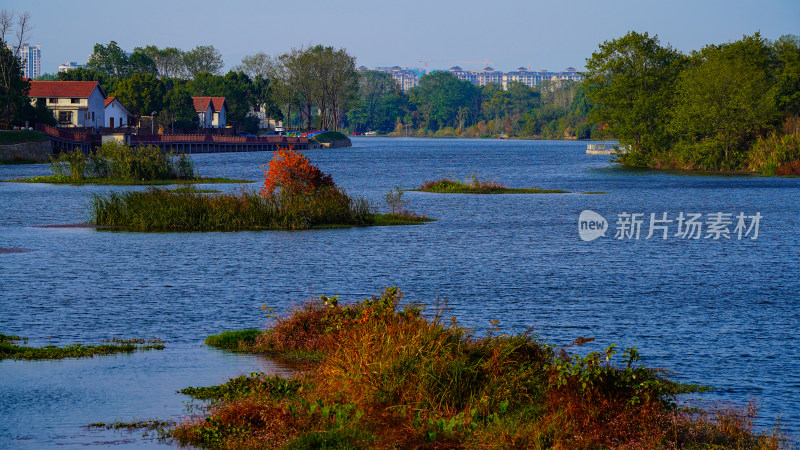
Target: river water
(720, 312)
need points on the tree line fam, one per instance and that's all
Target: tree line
(443, 105)
(730, 106)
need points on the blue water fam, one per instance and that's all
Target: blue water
(723, 313)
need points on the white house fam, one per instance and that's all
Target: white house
(74, 103)
(212, 111)
(116, 114)
(264, 123)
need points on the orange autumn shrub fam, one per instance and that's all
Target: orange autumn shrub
(292, 172)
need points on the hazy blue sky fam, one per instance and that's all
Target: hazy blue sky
(545, 35)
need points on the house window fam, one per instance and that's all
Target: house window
(52, 100)
(75, 100)
(65, 117)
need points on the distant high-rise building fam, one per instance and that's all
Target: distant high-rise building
(30, 57)
(69, 66)
(406, 78)
(522, 75)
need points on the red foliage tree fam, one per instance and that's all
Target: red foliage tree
(292, 172)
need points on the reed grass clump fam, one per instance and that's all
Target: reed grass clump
(156, 209)
(474, 185)
(117, 161)
(387, 376)
(778, 153)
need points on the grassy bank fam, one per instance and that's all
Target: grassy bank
(165, 210)
(385, 376)
(473, 185)
(330, 136)
(19, 136)
(10, 349)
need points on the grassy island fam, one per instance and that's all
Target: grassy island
(10, 349)
(295, 196)
(378, 375)
(473, 185)
(119, 164)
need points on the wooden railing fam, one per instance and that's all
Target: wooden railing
(213, 139)
(67, 134)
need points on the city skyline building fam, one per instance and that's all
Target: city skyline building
(66, 67)
(409, 77)
(30, 57)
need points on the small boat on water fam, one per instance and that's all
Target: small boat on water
(605, 148)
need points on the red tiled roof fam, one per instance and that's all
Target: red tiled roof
(108, 101)
(201, 103)
(72, 89)
(218, 102)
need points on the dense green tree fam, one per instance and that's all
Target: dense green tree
(178, 108)
(203, 58)
(140, 62)
(787, 50)
(141, 94)
(380, 103)
(83, 74)
(109, 60)
(727, 97)
(440, 95)
(13, 89)
(264, 98)
(337, 83)
(237, 88)
(257, 66)
(47, 77)
(630, 81)
(168, 61)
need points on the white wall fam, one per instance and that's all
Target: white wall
(120, 115)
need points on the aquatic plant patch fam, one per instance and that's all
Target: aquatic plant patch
(392, 376)
(10, 349)
(473, 185)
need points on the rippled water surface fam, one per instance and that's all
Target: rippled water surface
(715, 312)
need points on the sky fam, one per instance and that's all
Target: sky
(542, 35)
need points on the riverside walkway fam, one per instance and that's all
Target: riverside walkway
(66, 139)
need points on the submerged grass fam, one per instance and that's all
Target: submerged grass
(473, 185)
(165, 210)
(11, 350)
(387, 377)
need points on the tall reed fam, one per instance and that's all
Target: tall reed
(117, 161)
(165, 210)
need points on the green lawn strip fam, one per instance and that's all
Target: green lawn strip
(114, 182)
(19, 162)
(11, 350)
(11, 137)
